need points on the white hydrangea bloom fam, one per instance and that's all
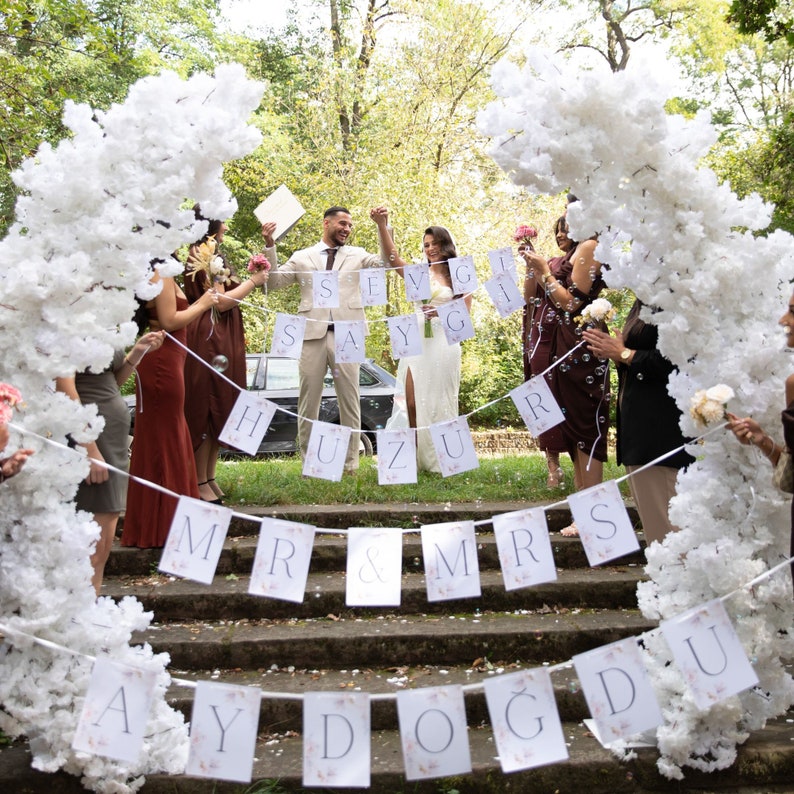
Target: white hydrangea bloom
(685, 245)
(96, 210)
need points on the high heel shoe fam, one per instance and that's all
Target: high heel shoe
(216, 501)
(555, 479)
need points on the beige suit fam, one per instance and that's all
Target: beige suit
(318, 342)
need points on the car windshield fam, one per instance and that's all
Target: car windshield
(282, 373)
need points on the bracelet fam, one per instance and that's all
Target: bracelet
(127, 361)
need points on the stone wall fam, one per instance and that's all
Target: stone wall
(504, 442)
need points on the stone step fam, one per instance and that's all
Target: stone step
(765, 765)
(330, 554)
(530, 639)
(228, 599)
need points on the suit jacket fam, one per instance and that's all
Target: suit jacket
(298, 269)
(647, 416)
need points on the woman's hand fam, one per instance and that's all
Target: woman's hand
(97, 473)
(380, 216)
(11, 465)
(268, 230)
(747, 430)
(208, 299)
(535, 262)
(259, 278)
(604, 345)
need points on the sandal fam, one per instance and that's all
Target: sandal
(216, 488)
(571, 531)
(216, 501)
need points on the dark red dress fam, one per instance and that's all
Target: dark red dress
(580, 382)
(209, 398)
(161, 449)
(540, 319)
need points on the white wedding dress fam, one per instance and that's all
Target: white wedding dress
(436, 378)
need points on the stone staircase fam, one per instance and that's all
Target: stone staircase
(221, 633)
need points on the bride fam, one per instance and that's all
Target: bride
(429, 383)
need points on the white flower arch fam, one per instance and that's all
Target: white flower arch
(685, 244)
(97, 209)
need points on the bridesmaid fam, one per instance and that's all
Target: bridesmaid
(161, 449)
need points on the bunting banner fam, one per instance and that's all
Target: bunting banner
(374, 567)
(525, 721)
(454, 446)
(502, 260)
(223, 729)
(536, 404)
(349, 341)
(452, 569)
(504, 294)
(455, 320)
(463, 274)
(325, 289)
(282, 560)
(326, 451)
(416, 279)
(709, 654)
(617, 689)
(195, 540)
(524, 546)
(115, 711)
(336, 739)
(604, 525)
(372, 285)
(396, 456)
(405, 336)
(433, 732)
(248, 422)
(288, 336)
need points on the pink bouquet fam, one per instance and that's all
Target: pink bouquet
(258, 263)
(9, 397)
(524, 235)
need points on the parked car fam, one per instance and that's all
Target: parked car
(277, 379)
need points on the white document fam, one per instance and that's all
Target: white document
(288, 336)
(349, 341)
(405, 335)
(223, 731)
(456, 320)
(115, 711)
(708, 652)
(454, 446)
(281, 563)
(617, 689)
(463, 274)
(283, 208)
(336, 739)
(326, 451)
(536, 404)
(396, 456)
(195, 540)
(504, 294)
(525, 720)
(525, 555)
(248, 422)
(374, 567)
(452, 569)
(604, 525)
(433, 732)
(325, 289)
(372, 284)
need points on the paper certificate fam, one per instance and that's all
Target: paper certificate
(283, 208)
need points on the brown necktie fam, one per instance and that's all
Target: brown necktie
(329, 263)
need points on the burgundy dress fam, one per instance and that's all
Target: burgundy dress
(540, 319)
(788, 436)
(161, 450)
(209, 398)
(580, 382)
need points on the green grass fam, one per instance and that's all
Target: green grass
(278, 481)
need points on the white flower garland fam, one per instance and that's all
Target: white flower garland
(97, 209)
(684, 244)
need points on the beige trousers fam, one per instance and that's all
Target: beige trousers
(652, 490)
(316, 356)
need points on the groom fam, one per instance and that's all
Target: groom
(318, 353)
